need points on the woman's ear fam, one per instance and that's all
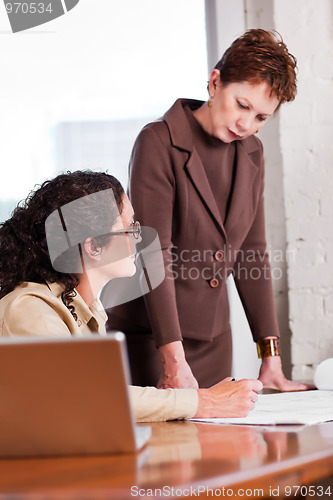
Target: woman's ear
(92, 249)
(214, 81)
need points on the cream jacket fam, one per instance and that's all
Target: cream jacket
(37, 309)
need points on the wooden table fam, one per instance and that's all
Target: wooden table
(192, 458)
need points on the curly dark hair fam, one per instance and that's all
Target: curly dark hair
(257, 56)
(24, 254)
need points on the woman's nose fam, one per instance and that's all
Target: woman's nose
(134, 240)
(245, 123)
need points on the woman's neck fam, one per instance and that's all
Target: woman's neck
(202, 116)
(87, 290)
(86, 294)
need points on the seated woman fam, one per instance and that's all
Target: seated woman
(57, 251)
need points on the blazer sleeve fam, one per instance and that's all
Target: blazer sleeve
(152, 405)
(152, 186)
(252, 274)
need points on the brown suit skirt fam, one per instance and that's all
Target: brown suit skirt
(210, 361)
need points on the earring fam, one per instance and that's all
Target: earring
(210, 102)
(256, 131)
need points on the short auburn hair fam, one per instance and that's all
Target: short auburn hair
(260, 56)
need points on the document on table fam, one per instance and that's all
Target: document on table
(304, 407)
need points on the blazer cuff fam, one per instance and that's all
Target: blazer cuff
(153, 405)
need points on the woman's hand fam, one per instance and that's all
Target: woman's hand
(176, 372)
(272, 377)
(228, 398)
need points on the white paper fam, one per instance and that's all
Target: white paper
(304, 407)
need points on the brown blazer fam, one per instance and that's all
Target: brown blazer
(170, 192)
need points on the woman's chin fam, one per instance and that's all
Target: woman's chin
(132, 271)
(128, 270)
(124, 268)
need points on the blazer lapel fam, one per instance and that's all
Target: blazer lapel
(181, 137)
(197, 174)
(242, 203)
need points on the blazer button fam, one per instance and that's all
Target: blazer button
(219, 255)
(214, 283)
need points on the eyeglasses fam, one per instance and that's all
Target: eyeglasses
(134, 228)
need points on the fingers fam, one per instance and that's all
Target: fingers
(309, 387)
(285, 385)
(242, 409)
(248, 391)
(254, 397)
(290, 386)
(256, 385)
(253, 385)
(252, 406)
(228, 398)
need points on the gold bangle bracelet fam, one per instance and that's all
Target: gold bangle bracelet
(268, 347)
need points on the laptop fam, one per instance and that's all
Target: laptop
(67, 396)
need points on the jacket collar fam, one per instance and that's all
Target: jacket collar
(247, 165)
(178, 125)
(95, 315)
(180, 130)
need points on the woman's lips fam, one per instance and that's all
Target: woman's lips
(233, 134)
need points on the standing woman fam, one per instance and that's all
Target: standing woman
(197, 177)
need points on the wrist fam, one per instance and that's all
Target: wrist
(204, 404)
(268, 347)
(172, 353)
(271, 361)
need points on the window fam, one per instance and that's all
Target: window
(76, 91)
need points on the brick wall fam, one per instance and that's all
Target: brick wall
(306, 141)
